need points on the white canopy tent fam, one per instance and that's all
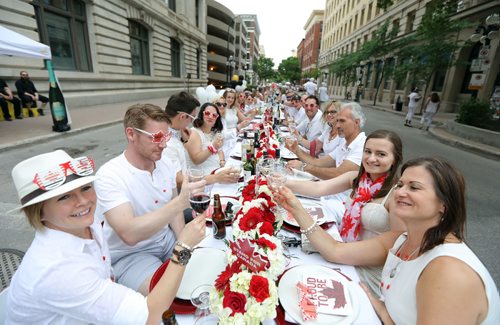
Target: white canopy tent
(15, 44)
(12, 43)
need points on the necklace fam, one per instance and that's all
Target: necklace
(395, 269)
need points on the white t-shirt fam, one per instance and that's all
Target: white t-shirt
(120, 182)
(413, 99)
(65, 279)
(312, 129)
(299, 116)
(352, 152)
(310, 87)
(175, 153)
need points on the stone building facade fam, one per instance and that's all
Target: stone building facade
(107, 51)
(350, 23)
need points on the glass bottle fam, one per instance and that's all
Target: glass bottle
(168, 317)
(245, 145)
(218, 219)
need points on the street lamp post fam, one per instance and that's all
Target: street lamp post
(229, 67)
(484, 33)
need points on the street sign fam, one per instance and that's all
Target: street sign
(484, 52)
(476, 65)
(476, 81)
(486, 64)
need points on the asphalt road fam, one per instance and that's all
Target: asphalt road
(481, 174)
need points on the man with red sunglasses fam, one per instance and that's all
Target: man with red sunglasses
(312, 125)
(137, 195)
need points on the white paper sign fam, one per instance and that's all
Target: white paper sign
(328, 295)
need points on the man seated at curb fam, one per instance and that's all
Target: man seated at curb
(6, 96)
(28, 93)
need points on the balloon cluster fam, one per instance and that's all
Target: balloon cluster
(210, 94)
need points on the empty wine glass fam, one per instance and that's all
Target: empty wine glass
(200, 298)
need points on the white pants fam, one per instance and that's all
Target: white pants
(411, 112)
(427, 118)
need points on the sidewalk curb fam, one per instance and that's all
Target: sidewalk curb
(438, 131)
(44, 138)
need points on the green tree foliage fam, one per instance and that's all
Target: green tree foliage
(264, 68)
(475, 112)
(431, 48)
(289, 69)
(314, 73)
(384, 4)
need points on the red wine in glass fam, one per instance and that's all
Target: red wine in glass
(199, 202)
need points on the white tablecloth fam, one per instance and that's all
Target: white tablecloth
(367, 314)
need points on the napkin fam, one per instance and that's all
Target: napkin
(307, 308)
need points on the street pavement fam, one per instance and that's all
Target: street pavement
(95, 131)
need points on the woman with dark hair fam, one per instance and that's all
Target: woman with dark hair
(431, 108)
(367, 208)
(430, 275)
(206, 140)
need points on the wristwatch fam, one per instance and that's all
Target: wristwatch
(182, 256)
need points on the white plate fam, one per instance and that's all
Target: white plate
(287, 154)
(197, 272)
(289, 299)
(319, 220)
(301, 176)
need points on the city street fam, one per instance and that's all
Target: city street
(481, 174)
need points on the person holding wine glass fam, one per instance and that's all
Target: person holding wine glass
(137, 195)
(66, 276)
(205, 142)
(430, 275)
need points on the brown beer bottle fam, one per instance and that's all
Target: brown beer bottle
(168, 317)
(218, 219)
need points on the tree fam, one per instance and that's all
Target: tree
(264, 68)
(289, 69)
(432, 48)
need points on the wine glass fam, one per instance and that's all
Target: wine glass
(199, 197)
(200, 298)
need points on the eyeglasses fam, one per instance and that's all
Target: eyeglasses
(191, 116)
(331, 112)
(158, 137)
(309, 105)
(207, 114)
(221, 104)
(53, 178)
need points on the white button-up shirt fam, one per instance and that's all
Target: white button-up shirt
(64, 279)
(312, 129)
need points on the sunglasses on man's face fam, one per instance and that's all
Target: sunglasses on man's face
(53, 178)
(207, 114)
(157, 137)
(309, 105)
(221, 104)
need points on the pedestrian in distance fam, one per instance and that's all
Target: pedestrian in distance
(431, 108)
(66, 276)
(413, 99)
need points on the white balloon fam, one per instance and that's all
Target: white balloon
(239, 88)
(202, 95)
(211, 89)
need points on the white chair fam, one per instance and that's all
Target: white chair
(3, 303)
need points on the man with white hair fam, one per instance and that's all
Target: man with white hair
(310, 87)
(347, 156)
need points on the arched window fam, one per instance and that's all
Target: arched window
(175, 54)
(63, 26)
(139, 48)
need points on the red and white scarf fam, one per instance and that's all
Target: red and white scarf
(366, 190)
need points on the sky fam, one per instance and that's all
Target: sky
(281, 22)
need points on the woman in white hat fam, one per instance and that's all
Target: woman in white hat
(66, 276)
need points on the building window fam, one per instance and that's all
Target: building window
(172, 5)
(139, 48)
(175, 55)
(410, 19)
(63, 26)
(197, 12)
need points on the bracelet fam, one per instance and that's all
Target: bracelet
(212, 149)
(181, 244)
(309, 229)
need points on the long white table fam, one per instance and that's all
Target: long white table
(366, 315)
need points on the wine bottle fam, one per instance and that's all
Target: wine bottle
(248, 167)
(218, 219)
(245, 145)
(57, 103)
(168, 317)
(256, 145)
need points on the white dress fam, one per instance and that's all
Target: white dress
(329, 144)
(230, 122)
(400, 291)
(212, 162)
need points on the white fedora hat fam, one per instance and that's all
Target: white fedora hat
(45, 176)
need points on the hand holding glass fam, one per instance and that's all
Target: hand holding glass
(199, 198)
